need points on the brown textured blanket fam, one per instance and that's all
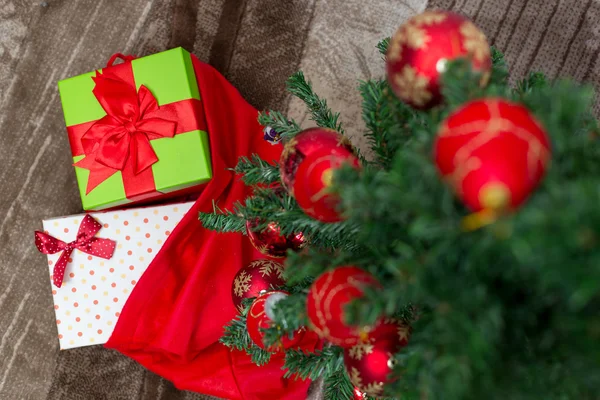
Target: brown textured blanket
(256, 44)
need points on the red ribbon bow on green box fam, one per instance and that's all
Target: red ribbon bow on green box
(123, 135)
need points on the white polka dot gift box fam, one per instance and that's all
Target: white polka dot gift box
(96, 260)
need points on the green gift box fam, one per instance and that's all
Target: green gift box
(137, 130)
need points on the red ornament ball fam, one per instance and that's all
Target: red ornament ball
(329, 294)
(358, 394)
(418, 53)
(254, 279)
(271, 242)
(493, 152)
(369, 364)
(313, 180)
(304, 144)
(259, 318)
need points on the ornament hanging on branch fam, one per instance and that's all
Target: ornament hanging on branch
(329, 294)
(271, 135)
(369, 364)
(271, 242)
(420, 49)
(313, 181)
(306, 143)
(254, 279)
(260, 316)
(493, 153)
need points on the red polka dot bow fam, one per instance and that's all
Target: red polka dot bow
(86, 242)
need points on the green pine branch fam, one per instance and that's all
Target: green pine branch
(383, 45)
(321, 363)
(271, 205)
(236, 336)
(258, 355)
(499, 69)
(257, 171)
(289, 316)
(223, 221)
(319, 111)
(389, 122)
(378, 118)
(338, 386)
(277, 121)
(533, 81)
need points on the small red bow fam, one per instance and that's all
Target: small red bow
(86, 242)
(122, 136)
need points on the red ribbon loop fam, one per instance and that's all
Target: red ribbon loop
(86, 242)
(116, 56)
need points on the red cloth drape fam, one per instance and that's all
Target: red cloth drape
(174, 318)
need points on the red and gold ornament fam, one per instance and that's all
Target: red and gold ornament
(493, 153)
(260, 317)
(369, 364)
(418, 53)
(271, 242)
(313, 180)
(329, 294)
(254, 279)
(304, 144)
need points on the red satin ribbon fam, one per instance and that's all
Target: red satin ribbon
(120, 141)
(86, 242)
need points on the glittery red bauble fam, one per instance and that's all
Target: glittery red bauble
(418, 53)
(271, 242)
(257, 319)
(369, 364)
(313, 179)
(327, 298)
(254, 279)
(493, 152)
(358, 394)
(306, 143)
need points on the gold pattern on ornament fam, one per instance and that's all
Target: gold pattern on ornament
(289, 148)
(325, 191)
(428, 18)
(414, 37)
(241, 284)
(240, 309)
(323, 299)
(374, 388)
(464, 162)
(322, 330)
(475, 41)
(267, 268)
(460, 172)
(256, 303)
(263, 248)
(412, 86)
(356, 378)
(357, 352)
(395, 51)
(403, 332)
(344, 142)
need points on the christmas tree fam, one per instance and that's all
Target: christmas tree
(458, 259)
